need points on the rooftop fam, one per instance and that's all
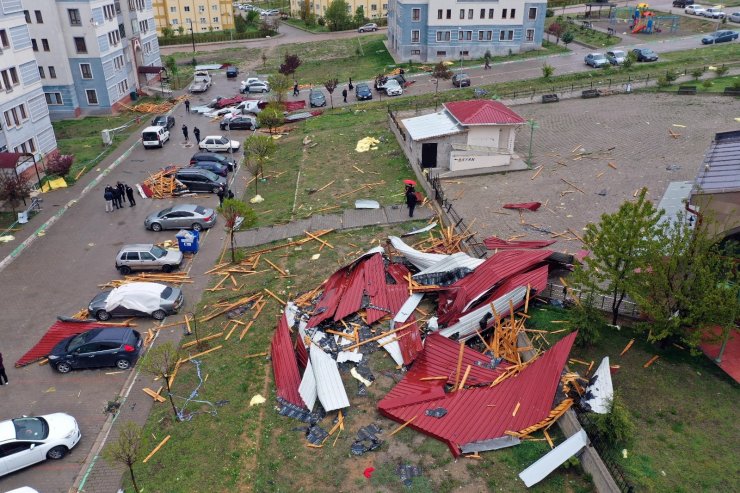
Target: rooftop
(720, 171)
(429, 126)
(482, 112)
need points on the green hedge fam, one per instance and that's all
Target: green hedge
(211, 37)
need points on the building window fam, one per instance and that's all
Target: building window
(513, 14)
(465, 35)
(14, 76)
(41, 72)
(173, 9)
(506, 35)
(530, 35)
(470, 13)
(174, 22)
(80, 45)
(53, 98)
(39, 17)
(490, 13)
(4, 38)
(186, 8)
(416, 52)
(109, 12)
(122, 30)
(441, 53)
(45, 44)
(373, 7)
(27, 146)
(147, 48)
(214, 8)
(144, 25)
(489, 35)
(122, 87)
(504, 12)
(462, 13)
(117, 5)
(439, 14)
(74, 17)
(215, 19)
(114, 37)
(118, 62)
(385, 6)
(415, 36)
(28, 16)
(92, 96)
(15, 116)
(443, 35)
(34, 45)
(203, 21)
(52, 72)
(415, 14)
(482, 13)
(449, 13)
(464, 53)
(86, 71)
(480, 35)
(201, 9)
(532, 13)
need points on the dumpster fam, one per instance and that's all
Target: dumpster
(188, 241)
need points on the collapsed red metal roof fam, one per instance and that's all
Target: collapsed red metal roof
(56, 333)
(479, 413)
(409, 339)
(483, 112)
(284, 364)
(494, 243)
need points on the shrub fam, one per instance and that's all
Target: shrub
(549, 13)
(736, 85)
(671, 76)
(589, 322)
(722, 71)
(707, 83)
(58, 164)
(663, 82)
(697, 73)
(321, 21)
(547, 71)
(617, 426)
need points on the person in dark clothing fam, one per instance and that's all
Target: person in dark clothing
(350, 84)
(196, 132)
(344, 94)
(3, 375)
(108, 195)
(221, 194)
(230, 194)
(410, 199)
(185, 132)
(122, 190)
(130, 195)
(296, 92)
(187, 106)
(117, 198)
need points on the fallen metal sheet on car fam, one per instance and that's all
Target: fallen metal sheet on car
(59, 331)
(553, 459)
(600, 392)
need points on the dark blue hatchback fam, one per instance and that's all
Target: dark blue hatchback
(363, 92)
(99, 347)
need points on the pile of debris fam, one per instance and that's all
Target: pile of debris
(162, 184)
(155, 108)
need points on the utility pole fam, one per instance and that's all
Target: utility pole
(192, 37)
(532, 125)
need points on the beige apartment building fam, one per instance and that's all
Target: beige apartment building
(374, 9)
(203, 15)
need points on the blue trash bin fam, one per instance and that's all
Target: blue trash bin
(188, 241)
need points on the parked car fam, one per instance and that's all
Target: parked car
(28, 440)
(682, 3)
(393, 88)
(200, 180)
(136, 299)
(145, 256)
(645, 55)
(96, 348)
(213, 167)
(163, 121)
(154, 137)
(218, 158)
(363, 92)
(187, 216)
(596, 60)
(238, 123)
(616, 57)
(368, 27)
(461, 80)
(694, 10)
(231, 72)
(719, 37)
(316, 98)
(714, 13)
(256, 86)
(380, 81)
(218, 143)
(734, 17)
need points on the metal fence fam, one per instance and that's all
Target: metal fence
(627, 308)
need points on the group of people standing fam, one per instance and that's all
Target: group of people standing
(196, 132)
(116, 196)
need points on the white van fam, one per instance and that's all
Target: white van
(154, 137)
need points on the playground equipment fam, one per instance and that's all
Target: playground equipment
(643, 20)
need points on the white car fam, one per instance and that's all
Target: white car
(219, 143)
(694, 10)
(28, 440)
(714, 13)
(393, 88)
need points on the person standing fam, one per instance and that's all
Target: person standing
(108, 195)
(121, 191)
(350, 84)
(130, 195)
(230, 195)
(221, 193)
(196, 132)
(117, 198)
(410, 199)
(3, 375)
(187, 106)
(344, 94)
(185, 132)
(296, 92)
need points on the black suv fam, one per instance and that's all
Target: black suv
(104, 346)
(682, 3)
(211, 166)
(164, 121)
(213, 157)
(200, 180)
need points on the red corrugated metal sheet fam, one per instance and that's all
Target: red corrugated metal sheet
(56, 333)
(376, 287)
(398, 272)
(484, 413)
(330, 298)
(532, 206)
(536, 279)
(410, 338)
(482, 112)
(284, 364)
(494, 243)
(351, 294)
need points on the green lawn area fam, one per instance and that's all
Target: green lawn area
(590, 37)
(6, 220)
(718, 84)
(297, 22)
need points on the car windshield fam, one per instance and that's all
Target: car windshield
(79, 340)
(149, 136)
(158, 120)
(221, 140)
(31, 428)
(200, 210)
(158, 252)
(647, 51)
(166, 292)
(165, 211)
(210, 175)
(618, 54)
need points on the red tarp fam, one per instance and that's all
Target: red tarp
(730, 357)
(532, 206)
(294, 105)
(479, 413)
(494, 243)
(284, 365)
(56, 333)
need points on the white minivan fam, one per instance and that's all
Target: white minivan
(154, 137)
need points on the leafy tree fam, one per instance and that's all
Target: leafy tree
(337, 16)
(589, 321)
(442, 71)
(270, 117)
(167, 32)
(617, 426)
(160, 362)
(13, 190)
(240, 24)
(305, 10)
(359, 18)
(689, 283)
(180, 30)
(126, 449)
(629, 60)
(617, 245)
(280, 84)
(232, 210)
(170, 64)
(252, 17)
(722, 71)
(257, 150)
(568, 38)
(58, 164)
(290, 65)
(556, 29)
(265, 28)
(330, 86)
(547, 71)
(697, 73)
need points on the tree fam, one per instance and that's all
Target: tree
(330, 85)
(252, 17)
(305, 10)
(441, 71)
(556, 29)
(167, 32)
(547, 71)
(232, 210)
(170, 64)
(180, 30)
(257, 150)
(359, 18)
(568, 38)
(689, 283)
(270, 117)
(126, 449)
(58, 164)
(629, 60)
(617, 426)
(280, 84)
(14, 190)
(722, 70)
(617, 245)
(240, 24)
(290, 65)
(160, 362)
(337, 16)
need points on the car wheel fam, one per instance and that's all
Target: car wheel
(57, 452)
(196, 227)
(362, 30)
(123, 364)
(159, 315)
(102, 315)
(124, 270)
(156, 227)
(63, 367)
(167, 268)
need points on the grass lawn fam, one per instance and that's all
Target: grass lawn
(297, 174)
(297, 22)
(7, 219)
(590, 37)
(718, 84)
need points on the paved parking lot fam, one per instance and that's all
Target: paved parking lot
(629, 131)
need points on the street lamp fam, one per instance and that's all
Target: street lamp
(532, 125)
(192, 37)
(436, 88)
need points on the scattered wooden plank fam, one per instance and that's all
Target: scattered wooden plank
(627, 347)
(153, 395)
(274, 296)
(231, 331)
(281, 271)
(651, 361)
(403, 426)
(207, 338)
(464, 378)
(424, 379)
(325, 186)
(549, 440)
(256, 355)
(516, 409)
(245, 330)
(539, 170)
(205, 352)
(612, 165)
(156, 449)
(459, 364)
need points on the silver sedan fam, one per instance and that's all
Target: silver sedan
(184, 216)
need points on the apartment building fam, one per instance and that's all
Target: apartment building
(201, 15)
(432, 30)
(91, 54)
(25, 126)
(374, 9)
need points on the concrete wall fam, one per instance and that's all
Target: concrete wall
(464, 160)
(724, 208)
